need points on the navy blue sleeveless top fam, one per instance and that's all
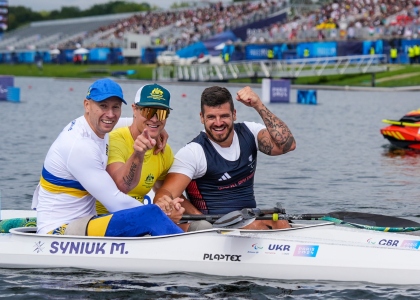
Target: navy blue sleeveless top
(227, 185)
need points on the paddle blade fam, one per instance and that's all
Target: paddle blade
(235, 219)
(237, 225)
(228, 219)
(372, 219)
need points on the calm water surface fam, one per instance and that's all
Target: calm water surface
(341, 163)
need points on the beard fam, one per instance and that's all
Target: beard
(219, 138)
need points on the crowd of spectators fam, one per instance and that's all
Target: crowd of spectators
(346, 19)
(183, 26)
(339, 19)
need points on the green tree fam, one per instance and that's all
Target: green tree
(68, 12)
(21, 15)
(180, 5)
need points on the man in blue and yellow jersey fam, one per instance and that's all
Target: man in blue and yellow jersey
(134, 163)
(74, 175)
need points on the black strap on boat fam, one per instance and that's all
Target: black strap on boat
(372, 219)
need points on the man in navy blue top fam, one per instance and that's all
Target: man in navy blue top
(217, 168)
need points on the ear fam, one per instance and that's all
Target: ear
(201, 118)
(234, 115)
(133, 106)
(86, 105)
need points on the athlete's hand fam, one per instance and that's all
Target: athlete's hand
(144, 142)
(161, 142)
(178, 210)
(169, 205)
(177, 204)
(248, 97)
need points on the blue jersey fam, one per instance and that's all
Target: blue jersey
(227, 185)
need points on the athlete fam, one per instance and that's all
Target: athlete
(133, 162)
(217, 168)
(74, 175)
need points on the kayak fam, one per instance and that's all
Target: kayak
(310, 250)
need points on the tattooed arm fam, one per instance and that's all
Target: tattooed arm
(276, 139)
(127, 175)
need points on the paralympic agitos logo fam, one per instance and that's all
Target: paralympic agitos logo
(225, 257)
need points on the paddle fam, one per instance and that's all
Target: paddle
(237, 219)
(244, 217)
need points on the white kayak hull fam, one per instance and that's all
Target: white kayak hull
(305, 252)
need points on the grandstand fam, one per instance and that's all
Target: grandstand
(175, 28)
(214, 24)
(345, 19)
(51, 34)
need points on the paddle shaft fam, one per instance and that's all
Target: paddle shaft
(291, 217)
(266, 215)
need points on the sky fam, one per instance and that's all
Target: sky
(48, 5)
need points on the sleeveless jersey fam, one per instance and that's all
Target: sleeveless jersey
(227, 185)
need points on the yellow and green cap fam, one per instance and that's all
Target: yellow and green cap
(153, 95)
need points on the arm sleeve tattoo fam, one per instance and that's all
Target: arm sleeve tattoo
(280, 135)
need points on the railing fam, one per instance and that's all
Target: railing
(293, 68)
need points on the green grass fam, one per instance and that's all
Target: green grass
(145, 72)
(76, 71)
(365, 79)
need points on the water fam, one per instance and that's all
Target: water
(341, 163)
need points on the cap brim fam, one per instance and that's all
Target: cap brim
(103, 97)
(152, 104)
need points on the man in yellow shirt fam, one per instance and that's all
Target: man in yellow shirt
(132, 162)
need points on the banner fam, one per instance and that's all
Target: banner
(97, 55)
(5, 82)
(4, 14)
(257, 51)
(275, 90)
(346, 48)
(320, 49)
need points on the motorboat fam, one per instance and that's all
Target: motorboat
(404, 133)
(309, 250)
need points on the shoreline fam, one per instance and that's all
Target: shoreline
(257, 85)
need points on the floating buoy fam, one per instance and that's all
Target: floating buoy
(29, 86)
(70, 89)
(184, 95)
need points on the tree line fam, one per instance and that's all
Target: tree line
(21, 15)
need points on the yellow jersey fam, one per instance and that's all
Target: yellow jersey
(155, 167)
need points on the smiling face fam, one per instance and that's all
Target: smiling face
(218, 123)
(153, 125)
(102, 116)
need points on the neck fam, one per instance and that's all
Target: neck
(134, 132)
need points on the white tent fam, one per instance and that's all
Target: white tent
(220, 46)
(54, 51)
(81, 51)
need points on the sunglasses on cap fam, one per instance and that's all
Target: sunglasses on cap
(149, 112)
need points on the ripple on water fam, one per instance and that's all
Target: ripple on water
(100, 285)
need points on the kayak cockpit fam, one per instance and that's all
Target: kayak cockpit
(30, 231)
